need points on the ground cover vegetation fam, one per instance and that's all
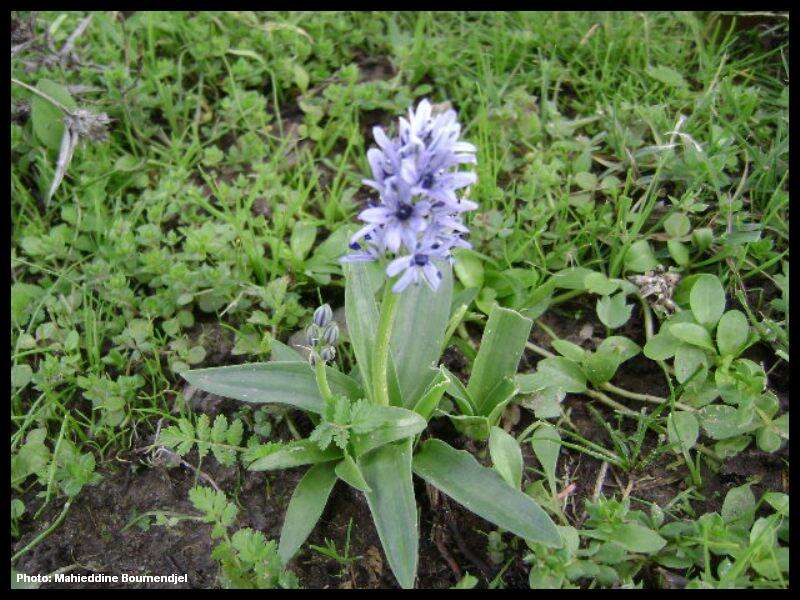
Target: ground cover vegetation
(607, 357)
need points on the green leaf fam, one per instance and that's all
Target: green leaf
(677, 225)
(474, 427)
(545, 403)
(362, 315)
(690, 362)
(620, 347)
(572, 278)
(300, 77)
(21, 375)
(586, 181)
(469, 269)
(291, 383)
(387, 471)
(280, 352)
(661, 346)
(398, 423)
(499, 398)
(305, 508)
(484, 492)
(429, 401)
(598, 283)
(612, 310)
(631, 536)
(667, 75)
(693, 334)
(47, 120)
(418, 335)
(569, 350)
(275, 457)
(703, 237)
(640, 258)
(546, 444)
(707, 299)
(678, 252)
(720, 421)
(459, 393)
(600, 366)
(24, 299)
(558, 372)
(348, 471)
(739, 505)
(303, 236)
(732, 332)
(501, 348)
(506, 456)
(682, 429)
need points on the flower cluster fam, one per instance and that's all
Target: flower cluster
(418, 219)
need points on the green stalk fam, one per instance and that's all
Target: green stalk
(322, 379)
(380, 366)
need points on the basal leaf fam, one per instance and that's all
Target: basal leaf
(291, 383)
(429, 401)
(484, 492)
(348, 471)
(501, 348)
(472, 426)
(418, 335)
(305, 508)
(387, 471)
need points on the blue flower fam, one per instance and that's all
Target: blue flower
(419, 217)
(417, 265)
(399, 217)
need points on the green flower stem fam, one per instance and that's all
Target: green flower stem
(322, 379)
(380, 366)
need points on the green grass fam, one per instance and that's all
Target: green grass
(219, 204)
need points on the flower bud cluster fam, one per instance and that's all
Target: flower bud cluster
(322, 335)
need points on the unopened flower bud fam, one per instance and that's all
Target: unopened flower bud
(331, 334)
(323, 315)
(312, 333)
(328, 353)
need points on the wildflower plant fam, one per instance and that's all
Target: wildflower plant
(369, 422)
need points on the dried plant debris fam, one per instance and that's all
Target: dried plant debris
(660, 284)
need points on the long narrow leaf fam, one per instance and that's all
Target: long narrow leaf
(483, 491)
(387, 471)
(361, 311)
(498, 357)
(418, 334)
(280, 382)
(305, 508)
